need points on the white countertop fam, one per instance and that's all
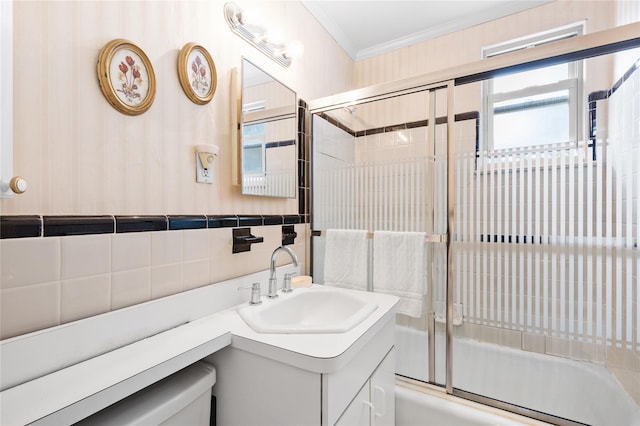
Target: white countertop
(72, 393)
(319, 353)
(94, 384)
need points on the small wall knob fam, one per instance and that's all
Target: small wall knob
(18, 184)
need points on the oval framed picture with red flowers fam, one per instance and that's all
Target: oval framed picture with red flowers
(126, 77)
(197, 73)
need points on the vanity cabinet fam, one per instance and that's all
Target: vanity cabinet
(375, 403)
(259, 387)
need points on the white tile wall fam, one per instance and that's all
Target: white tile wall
(29, 308)
(130, 287)
(80, 276)
(166, 247)
(195, 274)
(85, 255)
(131, 251)
(18, 259)
(166, 280)
(84, 297)
(195, 245)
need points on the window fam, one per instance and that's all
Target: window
(253, 145)
(536, 107)
(253, 140)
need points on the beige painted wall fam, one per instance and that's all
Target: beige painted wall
(81, 156)
(465, 46)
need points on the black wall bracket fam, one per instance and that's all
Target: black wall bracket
(288, 235)
(242, 240)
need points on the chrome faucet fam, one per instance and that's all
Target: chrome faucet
(273, 282)
(255, 293)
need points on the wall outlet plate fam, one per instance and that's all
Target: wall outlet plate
(203, 175)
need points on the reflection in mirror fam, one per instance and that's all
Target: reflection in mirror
(268, 139)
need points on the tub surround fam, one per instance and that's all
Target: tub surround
(97, 365)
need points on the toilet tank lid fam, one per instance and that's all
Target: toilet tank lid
(159, 401)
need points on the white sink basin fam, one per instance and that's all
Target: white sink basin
(317, 309)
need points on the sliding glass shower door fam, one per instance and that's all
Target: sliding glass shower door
(531, 299)
(545, 258)
(381, 165)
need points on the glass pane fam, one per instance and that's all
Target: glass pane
(381, 166)
(253, 137)
(531, 121)
(538, 77)
(252, 159)
(545, 257)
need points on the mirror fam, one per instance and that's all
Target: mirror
(268, 135)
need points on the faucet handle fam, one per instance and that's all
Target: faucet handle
(255, 293)
(286, 287)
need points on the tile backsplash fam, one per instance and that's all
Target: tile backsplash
(47, 281)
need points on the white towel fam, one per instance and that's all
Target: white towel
(399, 268)
(345, 259)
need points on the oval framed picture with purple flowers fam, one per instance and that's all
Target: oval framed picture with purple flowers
(197, 73)
(126, 77)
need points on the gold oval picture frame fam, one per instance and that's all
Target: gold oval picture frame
(197, 73)
(126, 77)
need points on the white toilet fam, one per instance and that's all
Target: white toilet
(181, 399)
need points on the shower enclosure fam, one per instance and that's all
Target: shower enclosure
(533, 260)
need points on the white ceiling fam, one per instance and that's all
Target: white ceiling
(368, 28)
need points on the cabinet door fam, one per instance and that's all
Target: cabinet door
(358, 413)
(383, 392)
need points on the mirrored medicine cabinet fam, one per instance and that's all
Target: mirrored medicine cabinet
(265, 132)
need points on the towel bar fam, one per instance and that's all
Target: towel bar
(430, 238)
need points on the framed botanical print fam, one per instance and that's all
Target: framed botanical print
(126, 77)
(197, 73)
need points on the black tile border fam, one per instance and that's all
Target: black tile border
(250, 220)
(272, 220)
(470, 115)
(25, 226)
(20, 226)
(278, 144)
(339, 124)
(222, 221)
(126, 224)
(304, 154)
(293, 219)
(58, 226)
(187, 222)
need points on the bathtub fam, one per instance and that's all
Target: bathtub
(575, 390)
(434, 408)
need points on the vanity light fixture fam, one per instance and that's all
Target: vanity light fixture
(275, 48)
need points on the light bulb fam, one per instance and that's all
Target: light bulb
(294, 49)
(248, 17)
(275, 36)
